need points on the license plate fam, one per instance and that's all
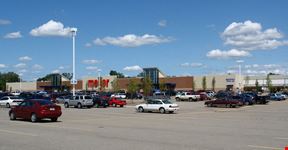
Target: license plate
(52, 109)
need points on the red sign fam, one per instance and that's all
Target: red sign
(92, 83)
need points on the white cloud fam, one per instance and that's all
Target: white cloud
(271, 66)
(51, 28)
(56, 71)
(92, 68)
(239, 61)
(22, 71)
(250, 36)
(37, 67)
(162, 23)
(132, 40)
(25, 58)
(88, 45)
(61, 67)
(194, 65)
(4, 22)
(2, 66)
(133, 68)
(20, 65)
(90, 61)
(13, 35)
(233, 53)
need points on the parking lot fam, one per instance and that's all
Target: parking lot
(194, 127)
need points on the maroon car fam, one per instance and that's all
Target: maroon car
(114, 102)
(224, 102)
(36, 109)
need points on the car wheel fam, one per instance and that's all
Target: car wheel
(177, 99)
(88, 106)
(79, 105)
(33, 117)
(121, 105)
(12, 116)
(190, 99)
(140, 109)
(54, 119)
(7, 105)
(96, 105)
(66, 105)
(162, 110)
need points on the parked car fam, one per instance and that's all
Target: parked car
(275, 96)
(224, 102)
(9, 101)
(258, 99)
(79, 101)
(187, 96)
(36, 109)
(119, 95)
(62, 99)
(100, 101)
(16, 93)
(247, 99)
(158, 105)
(116, 102)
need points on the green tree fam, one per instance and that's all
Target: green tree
(115, 73)
(213, 83)
(115, 85)
(132, 87)
(269, 83)
(258, 88)
(8, 77)
(162, 86)
(204, 86)
(147, 86)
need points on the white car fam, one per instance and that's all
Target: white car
(15, 93)
(119, 95)
(9, 101)
(158, 105)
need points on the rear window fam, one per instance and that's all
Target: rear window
(45, 102)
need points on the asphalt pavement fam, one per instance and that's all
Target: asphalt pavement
(194, 127)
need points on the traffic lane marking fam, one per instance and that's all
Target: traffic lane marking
(265, 147)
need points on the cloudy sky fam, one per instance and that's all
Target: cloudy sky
(179, 37)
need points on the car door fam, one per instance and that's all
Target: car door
(157, 105)
(72, 101)
(18, 110)
(148, 106)
(27, 109)
(3, 101)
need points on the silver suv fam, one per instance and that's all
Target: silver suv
(79, 101)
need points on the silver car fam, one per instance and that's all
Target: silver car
(79, 101)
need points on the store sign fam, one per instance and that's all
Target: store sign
(230, 80)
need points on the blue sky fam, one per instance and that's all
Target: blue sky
(179, 37)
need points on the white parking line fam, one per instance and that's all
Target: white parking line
(18, 133)
(265, 147)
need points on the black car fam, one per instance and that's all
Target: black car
(100, 101)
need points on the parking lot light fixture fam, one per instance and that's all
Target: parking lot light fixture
(73, 31)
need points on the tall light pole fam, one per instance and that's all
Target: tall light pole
(20, 84)
(240, 74)
(74, 81)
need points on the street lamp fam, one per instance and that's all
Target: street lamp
(240, 74)
(74, 81)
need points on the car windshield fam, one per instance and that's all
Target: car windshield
(167, 101)
(45, 102)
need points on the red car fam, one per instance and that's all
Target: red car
(226, 102)
(114, 102)
(36, 109)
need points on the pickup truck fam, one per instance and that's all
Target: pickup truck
(187, 96)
